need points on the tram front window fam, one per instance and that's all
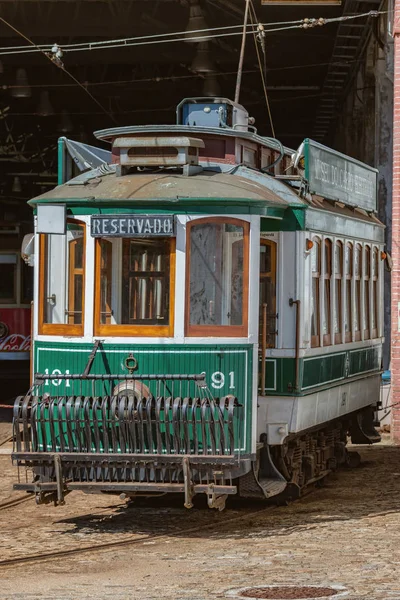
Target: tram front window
(134, 293)
(217, 278)
(62, 291)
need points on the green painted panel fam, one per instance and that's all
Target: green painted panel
(168, 205)
(228, 371)
(293, 220)
(364, 360)
(319, 371)
(326, 369)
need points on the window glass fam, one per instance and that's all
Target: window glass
(135, 284)
(105, 281)
(63, 277)
(367, 272)
(216, 285)
(316, 273)
(337, 317)
(145, 282)
(357, 302)
(348, 291)
(326, 321)
(8, 278)
(267, 291)
(375, 292)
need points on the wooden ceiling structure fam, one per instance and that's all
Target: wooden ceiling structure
(307, 71)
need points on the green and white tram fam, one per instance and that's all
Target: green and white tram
(207, 318)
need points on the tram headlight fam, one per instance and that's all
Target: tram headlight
(131, 388)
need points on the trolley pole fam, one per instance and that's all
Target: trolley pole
(395, 286)
(241, 57)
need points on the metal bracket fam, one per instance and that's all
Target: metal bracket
(187, 481)
(215, 501)
(59, 480)
(131, 363)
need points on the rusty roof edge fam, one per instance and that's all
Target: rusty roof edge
(106, 134)
(244, 202)
(277, 187)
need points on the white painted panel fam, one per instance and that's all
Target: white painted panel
(315, 409)
(180, 279)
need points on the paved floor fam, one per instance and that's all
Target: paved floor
(347, 533)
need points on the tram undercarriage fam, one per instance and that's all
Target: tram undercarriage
(132, 444)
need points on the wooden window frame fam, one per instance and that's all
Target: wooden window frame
(108, 272)
(60, 328)
(219, 330)
(316, 339)
(271, 310)
(123, 330)
(348, 276)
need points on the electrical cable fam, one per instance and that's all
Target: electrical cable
(60, 66)
(307, 23)
(146, 43)
(146, 37)
(175, 77)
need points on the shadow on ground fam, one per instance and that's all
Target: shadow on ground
(371, 489)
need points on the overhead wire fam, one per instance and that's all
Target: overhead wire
(304, 24)
(60, 66)
(146, 37)
(176, 77)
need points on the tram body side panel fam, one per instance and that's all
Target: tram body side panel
(334, 380)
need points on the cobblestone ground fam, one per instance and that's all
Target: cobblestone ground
(345, 533)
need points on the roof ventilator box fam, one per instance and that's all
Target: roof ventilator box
(159, 151)
(213, 112)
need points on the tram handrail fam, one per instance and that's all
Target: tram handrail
(264, 347)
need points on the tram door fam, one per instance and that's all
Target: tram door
(267, 310)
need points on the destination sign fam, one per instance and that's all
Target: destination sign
(132, 226)
(339, 177)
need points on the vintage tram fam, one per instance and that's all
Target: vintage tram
(208, 315)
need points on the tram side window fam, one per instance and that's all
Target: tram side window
(338, 292)
(349, 294)
(217, 271)
(375, 292)
(367, 283)
(135, 279)
(316, 274)
(326, 321)
(62, 277)
(357, 300)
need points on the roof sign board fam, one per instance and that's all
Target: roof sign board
(132, 226)
(339, 177)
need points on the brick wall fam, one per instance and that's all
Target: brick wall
(395, 349)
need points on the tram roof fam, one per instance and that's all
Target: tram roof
(238, 186)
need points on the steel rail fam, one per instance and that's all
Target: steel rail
(16, 501)
(45, 556)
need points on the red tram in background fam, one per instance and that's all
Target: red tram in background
(15, 308)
